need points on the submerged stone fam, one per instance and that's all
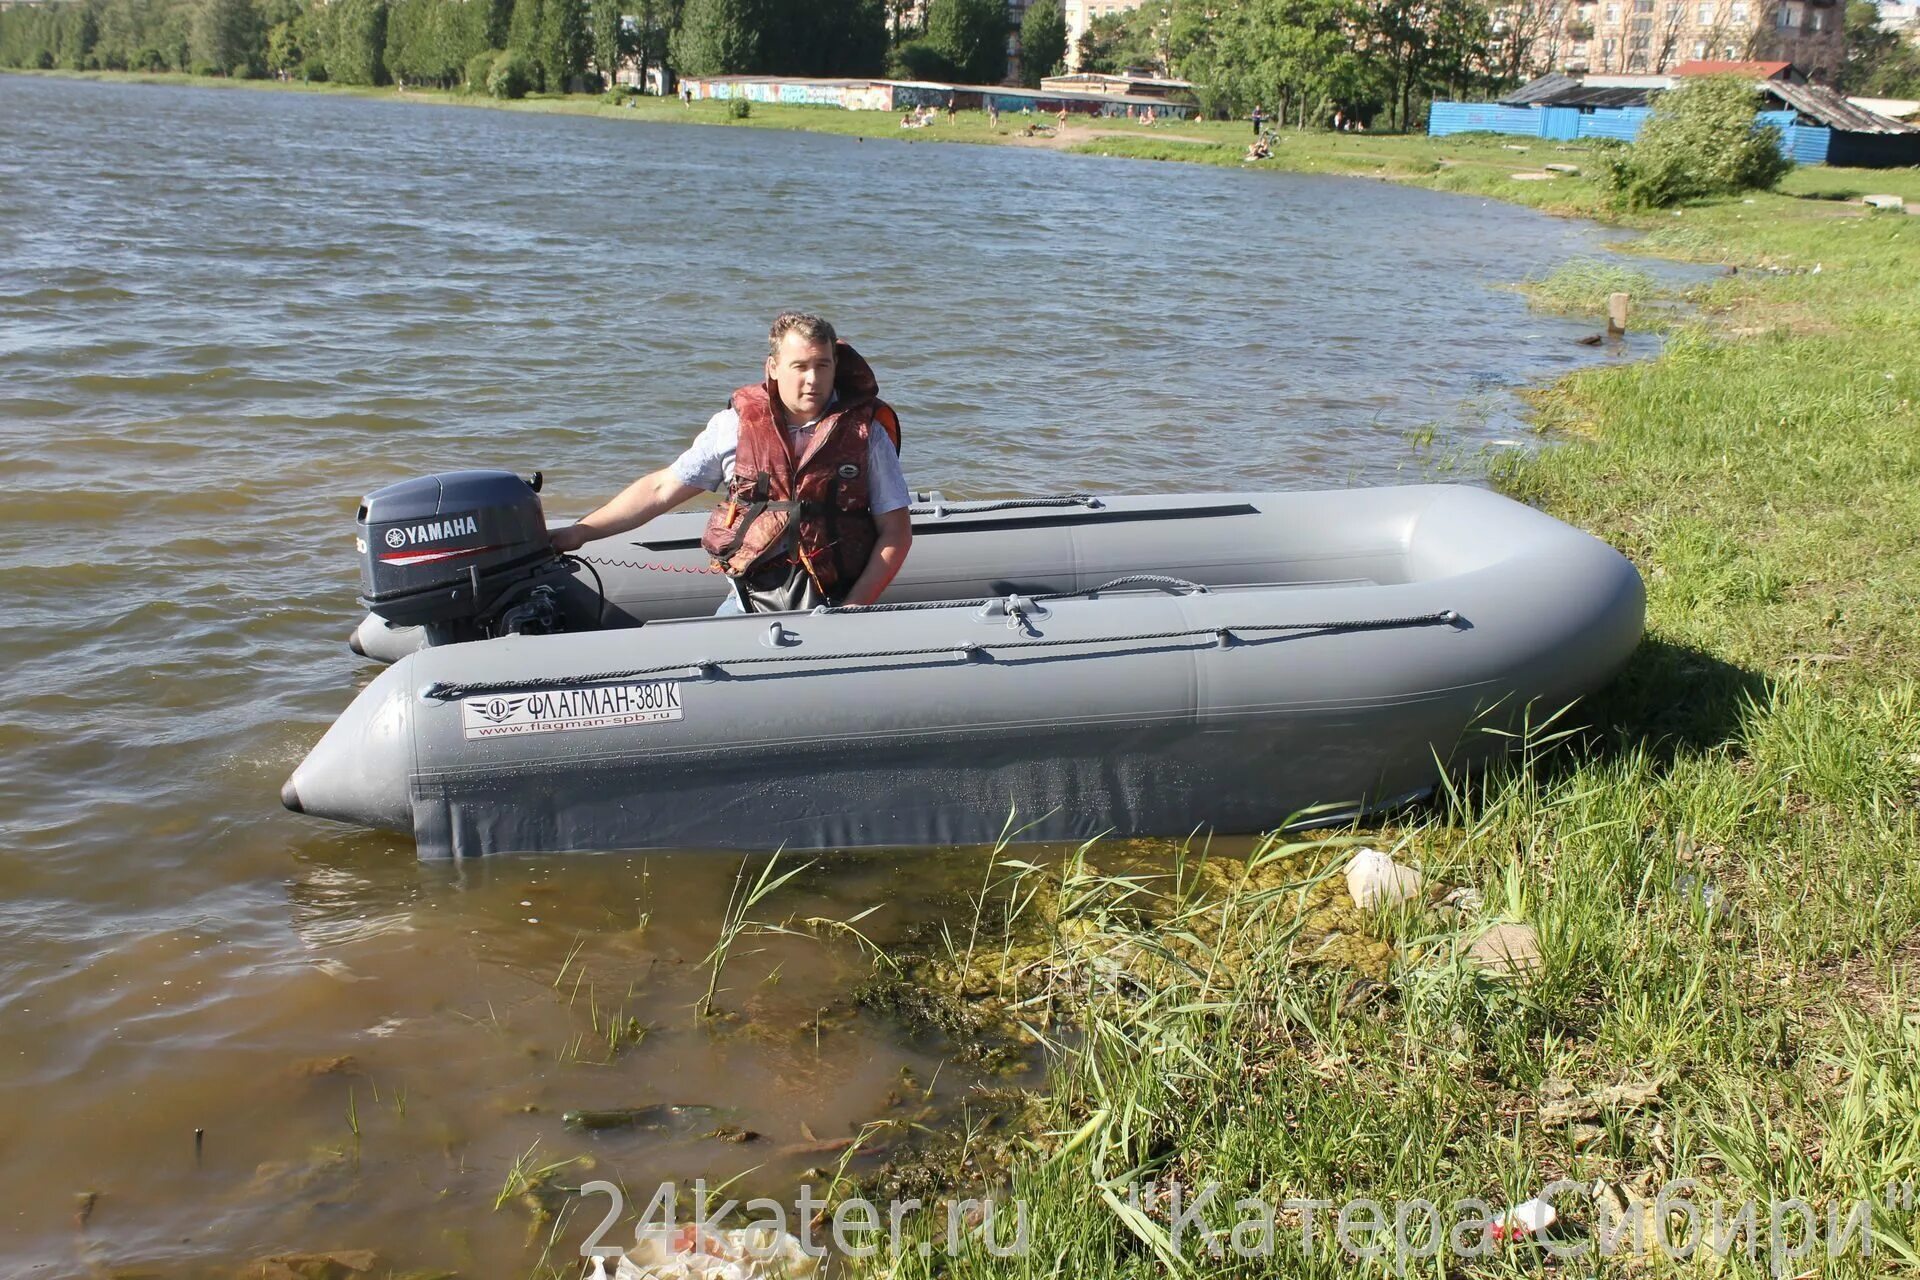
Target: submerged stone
(340, 1264)
(658, 1115)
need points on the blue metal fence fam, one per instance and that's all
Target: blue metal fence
(1807, 144)
(1620, 123)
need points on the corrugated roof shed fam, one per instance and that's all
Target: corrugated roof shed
(1558, 90)
(1824, 106)
(1717, 67)
(1817, 103)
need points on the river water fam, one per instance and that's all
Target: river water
(225, 315)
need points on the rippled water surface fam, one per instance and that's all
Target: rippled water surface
(224, 315)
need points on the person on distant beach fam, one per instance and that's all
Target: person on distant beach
(1339, 122)
(1259, 120)
(1063, 117)
(816, 509)
(993, 114)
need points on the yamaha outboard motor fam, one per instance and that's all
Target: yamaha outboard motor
(464, 554)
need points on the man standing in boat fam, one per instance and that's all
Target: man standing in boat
(816, 509)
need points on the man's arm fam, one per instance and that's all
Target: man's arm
(889, 553)
(647, 497)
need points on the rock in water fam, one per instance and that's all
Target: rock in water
(337, 1264)
(658, 1115)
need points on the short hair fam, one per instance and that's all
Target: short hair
(809, 326)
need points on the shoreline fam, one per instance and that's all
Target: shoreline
(1720, 875)
(1440, 165)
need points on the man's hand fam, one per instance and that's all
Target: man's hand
(571, 538)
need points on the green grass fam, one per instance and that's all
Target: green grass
(1722, 864)
(1582, 286)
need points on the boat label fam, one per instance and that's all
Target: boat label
(564, 710)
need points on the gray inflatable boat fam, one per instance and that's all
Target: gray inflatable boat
(1125, 665)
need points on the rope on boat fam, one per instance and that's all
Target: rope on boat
(913, 606)
(965, 651)
(944, 508)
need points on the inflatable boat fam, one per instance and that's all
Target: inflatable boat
(1125, 665)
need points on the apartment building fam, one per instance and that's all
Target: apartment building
(1901, 17)
(1080, 15)
(1650, 37)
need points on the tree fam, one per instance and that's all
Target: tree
(498, 21)
(1043, 40)
(432, 41)
(1136, 39)
(654, 22)
(610, 42)
(1524, 29)
(353, 40)
(717, 38)
(1700, 141)
(511, 75)
(560, 45)
(919, 60)
(1879, 63)
(1418, 46)
(824, 37)
(81, 33)
(226, 37)
(972, 35)
(286, 52)
(1295, 57)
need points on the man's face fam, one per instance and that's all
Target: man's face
(802, 372)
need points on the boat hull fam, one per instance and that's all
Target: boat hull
(1349, 650)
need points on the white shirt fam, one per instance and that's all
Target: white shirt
(708, 462)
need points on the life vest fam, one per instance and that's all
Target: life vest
(821, 498)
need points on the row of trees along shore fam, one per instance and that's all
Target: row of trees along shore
(1384, 61)
(552, 45)
(1302, 59)
(1381, 61)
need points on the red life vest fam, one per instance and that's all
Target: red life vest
(822, 498)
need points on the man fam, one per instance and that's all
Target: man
(816, 509)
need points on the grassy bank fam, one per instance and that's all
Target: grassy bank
(1719, 857)
(1721, 866)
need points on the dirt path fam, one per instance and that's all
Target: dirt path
(1074, 134)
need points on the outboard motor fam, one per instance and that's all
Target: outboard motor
(464, 554)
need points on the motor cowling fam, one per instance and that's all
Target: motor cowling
(456, 551)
